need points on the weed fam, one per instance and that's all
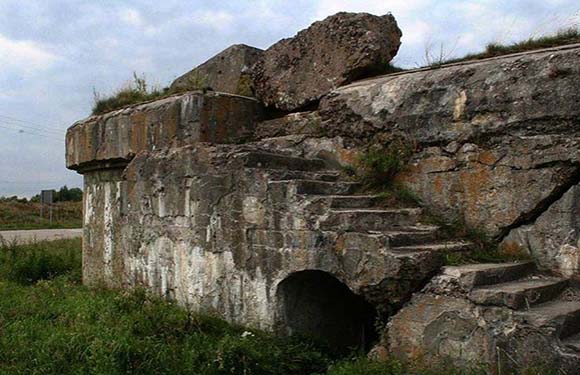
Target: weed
(379, 165)
(135, 92)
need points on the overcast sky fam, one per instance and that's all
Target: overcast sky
(53, 53)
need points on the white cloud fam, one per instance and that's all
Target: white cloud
(131, 16)
(217, 20)
(24, 55)
(399, 8)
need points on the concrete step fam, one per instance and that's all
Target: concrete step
(562, 316)
(443, 247)
(519, 294)
(354, 201)
(412, 235)
(287, 174)
(573, 343)
(313, 187)
(365, 220)
(473, 275)
(266, 160)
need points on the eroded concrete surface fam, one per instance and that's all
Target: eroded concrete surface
(197, 200)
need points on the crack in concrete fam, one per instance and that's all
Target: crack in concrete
(542, 206)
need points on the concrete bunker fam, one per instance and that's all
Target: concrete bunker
(315, 304)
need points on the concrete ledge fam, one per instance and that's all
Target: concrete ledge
(113, 139)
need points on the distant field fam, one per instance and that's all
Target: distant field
(19, 215)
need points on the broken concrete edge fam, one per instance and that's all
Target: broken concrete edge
(147, 105)
(177, 120)
(462, 63)
(443, 323)
(296, 72)
(223, 72)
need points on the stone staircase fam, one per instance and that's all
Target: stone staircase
(522, 318)
(325, 202)
(348, 210)
(538, 300)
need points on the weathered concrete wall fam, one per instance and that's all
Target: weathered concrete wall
(171, 207)
(116, 137)
(495, 138)
(207, 230)
(497, 141)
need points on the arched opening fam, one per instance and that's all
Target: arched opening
(315, 304)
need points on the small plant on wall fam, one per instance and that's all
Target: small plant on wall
(379, 165)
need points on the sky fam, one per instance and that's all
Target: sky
(55, 54)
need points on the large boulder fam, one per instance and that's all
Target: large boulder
(227, 72)
(298, 71)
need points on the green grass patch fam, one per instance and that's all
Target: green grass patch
(30, 263)
(137, 91)
(560, 38)
(377, 167)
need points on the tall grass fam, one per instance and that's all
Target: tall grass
(28, 264)
(134, 92)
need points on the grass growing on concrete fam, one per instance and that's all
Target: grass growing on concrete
(137, 91)
(376, 169)
(378, 166)
(16, 215)
(484, 250)
(560, 38)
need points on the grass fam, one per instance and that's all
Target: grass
(377, 167)
(560, 38)
(51, 324)
(485, 249)
(134, 92)
(138, 90)
(16, 215)
(27, 264)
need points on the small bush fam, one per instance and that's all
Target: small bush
(28, 264)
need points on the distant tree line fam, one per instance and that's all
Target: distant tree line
(64, 194)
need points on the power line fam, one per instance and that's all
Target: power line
(53, 132)
(31, 123)
(30, 132)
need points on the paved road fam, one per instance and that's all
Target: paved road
(35, 235)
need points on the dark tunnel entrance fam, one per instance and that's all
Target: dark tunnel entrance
(315, 304)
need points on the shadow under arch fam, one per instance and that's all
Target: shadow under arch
(315, 304)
